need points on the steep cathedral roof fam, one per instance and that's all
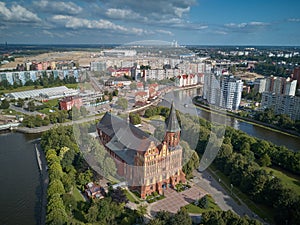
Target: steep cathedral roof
(172, 124)
(126, 139)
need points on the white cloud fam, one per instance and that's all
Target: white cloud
(220, 32)
(122, 14)
(258, 24)
(55, 7)
(164, 32)
(17, 13)
(159, 12)
(180, 11)
(77, 23)
(243, 25)
(294, 20)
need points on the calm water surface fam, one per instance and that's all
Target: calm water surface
(20, 181)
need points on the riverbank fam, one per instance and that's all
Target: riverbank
(37, 130)
(44, 180)
(248, 120)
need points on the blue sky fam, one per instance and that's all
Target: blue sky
(202, 22)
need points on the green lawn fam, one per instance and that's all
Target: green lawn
(74, 86)
(78, 197)
(13, 112)
(51, 103)
(129, 196)
(212, 206)
(23, 88)
(157, 117)
(32, 87)
(288, 180)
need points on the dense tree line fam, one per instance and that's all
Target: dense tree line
(252, 95)
(58, 116)
(266, 65)
(135, 118)
(242, 158)
(225, 217)
(4, 104)
(281, 120)
(68, 170)
(166, 218)
(268, 69)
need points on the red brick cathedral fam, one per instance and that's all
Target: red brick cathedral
(147, 164)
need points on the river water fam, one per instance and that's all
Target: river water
(19, 179)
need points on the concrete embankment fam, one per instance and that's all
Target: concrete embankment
(248, 120)
(44, 181)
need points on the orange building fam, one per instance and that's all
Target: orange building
(148, 165)
(68, 102)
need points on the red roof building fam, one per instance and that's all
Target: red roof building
(147, 164)
(69, 102)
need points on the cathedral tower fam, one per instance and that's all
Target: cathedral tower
(172, 136)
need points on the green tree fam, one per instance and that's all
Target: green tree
(265, 160)
(68, 182)
(56, 213)
(92, 214)
(141, 211)
(83, 111)
(31, 106)
(118, 195)
(115, 92)
(4, 104)
(20, 102)
(52, 157)
(135, 118)
(74, 113)
(62, 116)
(46, 121)
(122, 103)
(133, 86)
(181, 217)
(84, 178)
(69, 202)
(55, 187)
(109, 166)
(203, 202)
(55, 171)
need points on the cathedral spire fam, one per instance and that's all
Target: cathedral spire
(172, 124)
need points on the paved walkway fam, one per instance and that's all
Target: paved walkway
(175, 200)
(220, 195)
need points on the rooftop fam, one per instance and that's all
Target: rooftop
(172, 124)
(126, 139)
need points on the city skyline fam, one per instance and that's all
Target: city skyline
(189, 22)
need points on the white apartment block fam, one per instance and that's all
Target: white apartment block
(260, 85)
(231, 92)
(224, 91)
(282, 104)
(98, 66)
(280, 85)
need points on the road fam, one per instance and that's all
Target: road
(206, 181)
(45, 128)
(21, 110)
